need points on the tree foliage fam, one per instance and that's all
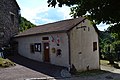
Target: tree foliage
(109, 46)
(115, 29)
(25, 24)
(106, 11)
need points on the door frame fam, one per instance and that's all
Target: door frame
(44, 54)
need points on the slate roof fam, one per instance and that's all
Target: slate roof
(60, 26)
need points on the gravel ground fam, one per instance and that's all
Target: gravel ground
(26, 68)
(110, 74)
(19, 73)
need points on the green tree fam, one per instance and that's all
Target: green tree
(25, 24)
(104, 39)
(115, 30)
(106, 11)
(109, 46)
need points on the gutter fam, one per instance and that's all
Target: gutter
(35, 34)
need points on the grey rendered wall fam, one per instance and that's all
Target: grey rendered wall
(61, 60)
(82, 55)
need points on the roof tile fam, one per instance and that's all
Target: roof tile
(63, 25)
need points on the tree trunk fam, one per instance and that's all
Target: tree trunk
(111, 61)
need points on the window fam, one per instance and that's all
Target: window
(38, 47)
(94, 46)
(1, 34)
(45, 38)
(88, 29)
(12, 18)
(12, 15)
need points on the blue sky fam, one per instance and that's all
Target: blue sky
(38, 12)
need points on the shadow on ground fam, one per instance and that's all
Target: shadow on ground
(45, 68)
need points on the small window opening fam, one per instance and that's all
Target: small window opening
(94, 46)
(88, 29)
(45, 38)
(1, 34)
(12, 18)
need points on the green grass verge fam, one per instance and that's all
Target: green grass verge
(104, 62)
(6, 63)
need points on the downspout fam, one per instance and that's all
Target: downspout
(69, 50)
(98, 50)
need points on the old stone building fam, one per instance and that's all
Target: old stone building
(9, 20)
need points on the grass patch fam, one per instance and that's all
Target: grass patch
(90, 73)
(104, 62)
(6, 63)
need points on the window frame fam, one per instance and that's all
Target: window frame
(12, 16)
(94, 46)
(37, 47)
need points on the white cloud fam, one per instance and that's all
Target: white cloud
(102, 26)
(42, 14)
(65, 10)
(38, 12)
(30, 14)
(52, 15)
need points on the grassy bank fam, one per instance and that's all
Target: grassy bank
(91, 73)
(6, 63)
(104, 62)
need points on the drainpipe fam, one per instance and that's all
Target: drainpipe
(69, 51)
(98, 51)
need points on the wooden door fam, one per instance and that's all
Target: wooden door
(46, 52)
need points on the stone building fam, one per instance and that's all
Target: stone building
(70, 43)
(9, 20)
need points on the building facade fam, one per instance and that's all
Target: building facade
(9, 20)
(69, 43)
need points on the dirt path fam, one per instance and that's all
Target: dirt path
(19, 73)
(110, 74)
(26, 69)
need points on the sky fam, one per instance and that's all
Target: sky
(38, 12)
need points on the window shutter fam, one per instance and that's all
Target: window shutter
(32, 48)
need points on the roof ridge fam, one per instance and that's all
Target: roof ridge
(59, 21)
(58, 26)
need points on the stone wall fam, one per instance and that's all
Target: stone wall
(9, 20)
